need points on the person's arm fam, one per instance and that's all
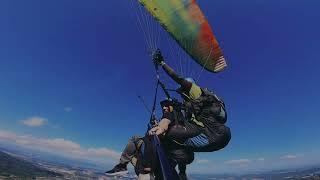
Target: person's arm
(161, 128)
(163, 125)
(159, 60)
(193, 90)
(177, 78)
(186, 85)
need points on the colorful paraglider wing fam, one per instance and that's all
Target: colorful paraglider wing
(184, 20)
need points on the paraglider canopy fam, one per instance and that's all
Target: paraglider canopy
(184, 20)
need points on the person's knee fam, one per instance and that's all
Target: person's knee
(177, 132)
(182, 156)
(134, 143)
(227, 138)
(135, 138)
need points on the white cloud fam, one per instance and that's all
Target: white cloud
(34, 121)
(71, 149)
(68, 109)
(202, 161)
(7, 136)
(291, 156)
(238, 162)
(104, 152)
(60, 146)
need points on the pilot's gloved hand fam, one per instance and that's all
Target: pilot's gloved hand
(158, 58)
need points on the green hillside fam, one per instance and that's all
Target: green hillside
(18, 168)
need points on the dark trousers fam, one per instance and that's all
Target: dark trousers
(200, 139)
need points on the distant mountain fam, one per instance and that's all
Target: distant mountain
(16, 163)
(39, 156)
(15, 167)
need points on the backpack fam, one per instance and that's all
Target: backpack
(208, 107)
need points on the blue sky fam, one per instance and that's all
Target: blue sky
(70, 72)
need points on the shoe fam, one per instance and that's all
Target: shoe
(119, 169)
(182, 176)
